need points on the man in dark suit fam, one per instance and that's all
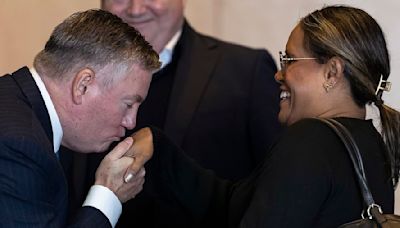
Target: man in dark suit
(216, 100)
(83, 93)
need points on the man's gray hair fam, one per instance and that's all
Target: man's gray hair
(94, 39)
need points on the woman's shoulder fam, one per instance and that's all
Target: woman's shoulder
(307, 129)
(311, 136)
(315, 127)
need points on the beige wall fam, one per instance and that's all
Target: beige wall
(261, 23)
(26, 24)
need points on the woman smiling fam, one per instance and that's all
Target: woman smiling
(336, 65)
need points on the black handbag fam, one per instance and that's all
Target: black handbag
(375, 218)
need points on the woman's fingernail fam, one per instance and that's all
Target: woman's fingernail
(128, 178)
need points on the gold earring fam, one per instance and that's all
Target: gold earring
(328, 86)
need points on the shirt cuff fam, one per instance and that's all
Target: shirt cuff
(106, 201)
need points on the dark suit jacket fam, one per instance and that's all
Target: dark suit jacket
(33, 189)
(223, 105)
(222, 111)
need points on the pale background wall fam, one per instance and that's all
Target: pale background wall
(26, 24)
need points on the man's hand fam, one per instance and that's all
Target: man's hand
(113, 169)
(141, 151)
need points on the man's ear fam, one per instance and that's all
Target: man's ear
(80, 83)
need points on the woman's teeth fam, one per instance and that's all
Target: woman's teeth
(285, 95)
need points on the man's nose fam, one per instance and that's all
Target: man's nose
(129, 122)
(136, 7)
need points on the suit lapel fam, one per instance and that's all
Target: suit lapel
(195, 66)
(29, 88)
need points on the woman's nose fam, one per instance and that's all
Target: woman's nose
(279, 77)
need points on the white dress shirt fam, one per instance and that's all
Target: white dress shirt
(55, 121)
(99, 197)
(166, 54)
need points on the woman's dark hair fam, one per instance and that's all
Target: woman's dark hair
(354, 36)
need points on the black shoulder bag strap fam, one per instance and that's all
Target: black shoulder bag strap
(374, 211)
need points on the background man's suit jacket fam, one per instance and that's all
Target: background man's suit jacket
(223, 104)
(222, 111)
(33, 188)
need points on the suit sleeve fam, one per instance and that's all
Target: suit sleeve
(25, 187)
(204, 196)
(264, 106)
(33, 190)
(90, 217)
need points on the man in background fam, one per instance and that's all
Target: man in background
(216, 100)
(83, 92)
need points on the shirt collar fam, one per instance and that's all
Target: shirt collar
(166, 53)
(55, 121)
